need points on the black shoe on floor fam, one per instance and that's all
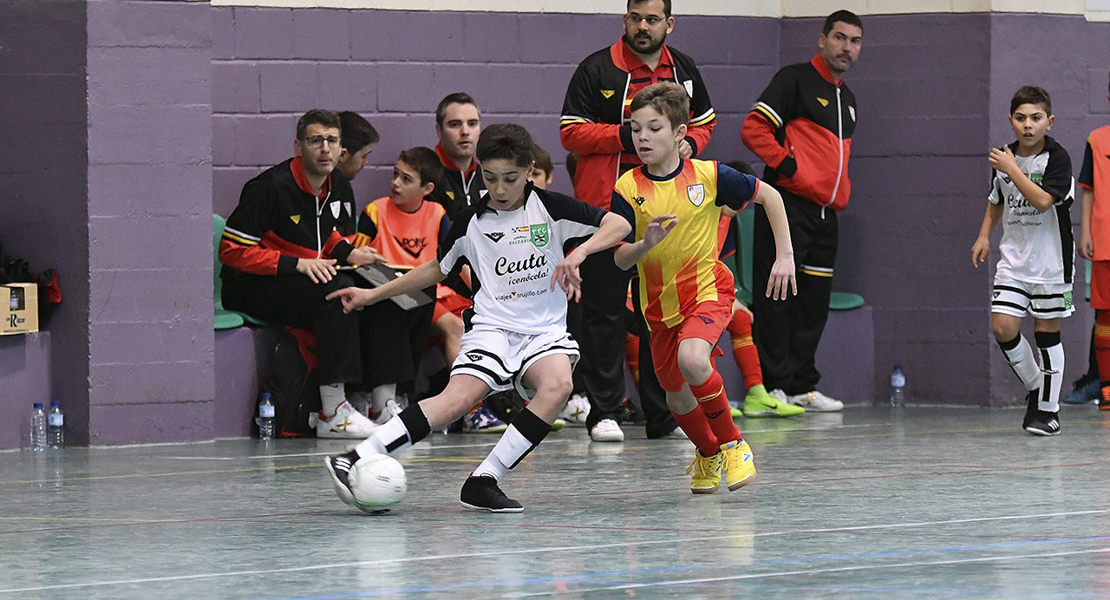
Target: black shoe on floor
(339, 467)
(482, 493)
(1044, 423)
(1030, 408)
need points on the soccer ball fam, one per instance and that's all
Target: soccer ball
(378, 483)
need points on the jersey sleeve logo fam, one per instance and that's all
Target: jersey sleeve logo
(823, 101)
(539, 235)
(608, 93)
(696, 194)
(450, 194)
(689, 85)
(296, 219)
(347, 207)
(852, 112)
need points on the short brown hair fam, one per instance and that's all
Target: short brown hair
(425, 162)
(506, 141)
(449, 99)
(1031, 94)
(666, 97)
(543, 160)
(317, 116)
(357, 132)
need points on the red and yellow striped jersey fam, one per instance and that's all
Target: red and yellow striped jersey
(683, 270)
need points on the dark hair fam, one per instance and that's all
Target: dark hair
(572, 164)
(456, 98)
(666, 6)
(507, 141)
(543, 160)
(668, 98)
(1031, 94)
(841, 16)
(741, 166)
(358, 133)
(425, 162)
(318, 116)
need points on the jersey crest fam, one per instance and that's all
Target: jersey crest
(696, 194)
(539, 235)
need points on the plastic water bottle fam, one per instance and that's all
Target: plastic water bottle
(38, 428)
(897, 387)
(265, 418)
(55, 426)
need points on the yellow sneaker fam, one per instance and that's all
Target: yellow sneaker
(707, 473)
(739, 465)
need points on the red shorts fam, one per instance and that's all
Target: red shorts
(451, 303)
(707, 322)
(1100, 284)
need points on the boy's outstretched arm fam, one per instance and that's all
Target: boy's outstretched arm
(613, 229)
(783, 278)
(1086, 240)
(355, 298)
(981, 248)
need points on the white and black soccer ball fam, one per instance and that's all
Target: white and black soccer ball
(378, 483)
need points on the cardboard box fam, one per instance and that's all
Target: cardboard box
(19, 308)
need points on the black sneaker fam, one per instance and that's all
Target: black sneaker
(1030, 408)
(1044, 423)
(482, 493)
(339, 467)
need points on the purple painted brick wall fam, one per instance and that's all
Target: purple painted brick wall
(149, 200)
(43, 217)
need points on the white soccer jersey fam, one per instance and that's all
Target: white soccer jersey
(512, 255)
(1037, 247)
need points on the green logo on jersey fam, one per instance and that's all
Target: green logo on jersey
(1036, 178)
(539, 235)
(1067, 300)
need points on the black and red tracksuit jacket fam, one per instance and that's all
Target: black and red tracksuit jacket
(801, 128)
(457, 190)
(279, 220)
(595, 119)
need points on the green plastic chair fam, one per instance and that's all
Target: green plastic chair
(225, 319)
(742, 267)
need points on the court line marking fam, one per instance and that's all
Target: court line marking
(526, 551)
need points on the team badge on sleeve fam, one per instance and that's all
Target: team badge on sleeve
(696, 194)
(335, 206)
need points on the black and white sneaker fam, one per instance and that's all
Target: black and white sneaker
(482, 493)
(1030, 408)
(1045, 423)
(339, 467)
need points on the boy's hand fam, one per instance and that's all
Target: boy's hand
(658, 229)
(319, 270)
(782, 279)
(354, 298)
(1003, 160)
(1086, 245)
(739, 306)
(566, 275)
(364, 256)
(980, 250)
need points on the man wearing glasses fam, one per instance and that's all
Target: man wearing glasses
(595, 124)
(280, 250)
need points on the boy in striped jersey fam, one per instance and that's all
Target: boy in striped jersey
(674, 206)
(1031, 191)
(1094, 178)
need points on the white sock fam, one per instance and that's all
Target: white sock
(509, 450)
(1052, 377)
(391, 435)
(331, 396)
(382, 394)
(1024, 363)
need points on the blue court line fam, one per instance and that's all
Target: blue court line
(689, 568)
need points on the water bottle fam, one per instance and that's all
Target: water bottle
(55, 426)
(265, 418)
(897, 387)
(38, 428)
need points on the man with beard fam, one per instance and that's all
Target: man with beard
(595, 125)
(801, 128)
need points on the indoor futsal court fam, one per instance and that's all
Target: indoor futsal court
(868, 503)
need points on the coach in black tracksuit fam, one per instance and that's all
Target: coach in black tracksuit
(801, 128)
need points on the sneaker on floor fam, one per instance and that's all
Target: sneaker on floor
(483, 421)
(816, 402)
(361, 401)
(1030, 408)
(736, 413)
(392, 409)
(632, 413)
(482, 493)
(339, 467)
(758, 404)
(576, 411)
(738, 464)
(1084, 394)
(346, 423)
(1044, 423)
(607, 430)
(706, 473)
(558, 424)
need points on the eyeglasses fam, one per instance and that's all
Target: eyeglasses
(652, 20)
(317, 141)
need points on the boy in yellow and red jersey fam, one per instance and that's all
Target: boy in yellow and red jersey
(674, 206)
(1094, 245)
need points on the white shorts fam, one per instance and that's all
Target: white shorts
(1041, 300)
(500, 358)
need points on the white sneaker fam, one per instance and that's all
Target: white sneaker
(392, 409)
(361, 401)
(576, 411)
(780, 395)
(607, 430)
(346, 423)
(816, 402)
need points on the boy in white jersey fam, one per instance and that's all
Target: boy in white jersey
(516, 335)
(1031, 191)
